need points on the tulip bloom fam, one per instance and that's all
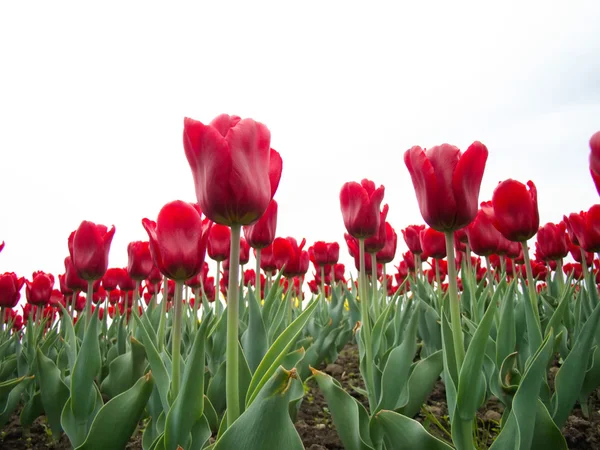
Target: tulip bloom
(360, 205)
(585, 227)
(318, 253)
(447, 183)
(219, 242)
(484, 238)
(377, 242)
(514, 210)
(552, 242)
(72, 279)
(139, 264)
(412, 238)
(110, 280)
(89, 247)
(10, 286)
(38, 290)
(261, 234)
(433, 243)
(178, 240)
(388, 252)
(236, 172)
(595, 159)
(289, 255)
(244, 252)
(2, 246)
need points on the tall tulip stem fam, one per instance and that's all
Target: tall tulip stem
(176, 340)
(374, 285)
(457, 333)
(218, 306)
(531, 284)
(257, 283)
(88, 303)
(232, 376)
(322, 270)
(364, 312)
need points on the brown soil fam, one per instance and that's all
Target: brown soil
(318, 432)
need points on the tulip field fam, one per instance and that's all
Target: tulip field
(486, 335)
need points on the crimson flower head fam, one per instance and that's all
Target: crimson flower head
(388, 252)
(72, 280)
(585, 228)
(514, 210)
(89, 247)
(139, 263)
(412, 237)
(2, 246)
(178, 240)
(261, 234)
(433, 243)
(447, 183)
(111, 279)
(377, 242)
(484, 238)
(10, 287)
(244, 251)
(236, 172)
(126, 283)
(595, 159)
(360, 205)
(267, 260)
(219, 241)
(38, 290)
(291, 256)
(318, 253)
(551, 241)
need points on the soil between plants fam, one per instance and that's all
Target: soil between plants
(316, 427)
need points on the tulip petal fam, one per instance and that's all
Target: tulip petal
(424, 181)
(275, 168)
(466, 182)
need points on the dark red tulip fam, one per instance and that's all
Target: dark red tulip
(447, 183)
(155, 276)
(178, 240)
(267, 260)
(433, 243)
(38, 290)
(585, 226)
(249, 277)
(114, 296)
(126, 283)
(484, 238)
(236, 172)
(338, 273)
(460, 240)
(595, 159)
(360, 205)
(388, 252)
(377, 242)
(89, 249)
(576, 250)
(72, 280)
(2, 246)
(412, 237)
(551, 241)
(575, 269)
(139, 263)
(10, 287)
(244, 251)
(111, 278)
(333, 253)
(261, 234)
(318, 253)
(289, 254)
(219, 241)
(409, 259)
(514, 210)
(57, 298)
(99, 296)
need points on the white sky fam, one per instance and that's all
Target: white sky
(92, 100)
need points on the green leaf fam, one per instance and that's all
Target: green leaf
(277, 352)
(266, 423)
(125, 370)
(117, 420)
(53, 390)
(420, 383)
(10, 396)
(401, 432)
(254, 339)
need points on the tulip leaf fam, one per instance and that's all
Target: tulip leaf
(349, 416)
(70, 338)
(420, 383)
(401, 432)
(216, 390)
(277, 352)
(506, 338)
(188, 407)
(117, 420)
(125, 370)
(254, 339)
(53, 390)
(266, 423)
(10, 395)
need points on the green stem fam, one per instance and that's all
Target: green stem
(375, 298)
(559, 276)
(531, 286)
(232, 375)
(257, 282)
(88, 303)
(323, 282)
(162, 324)
(366, 322)
(457, 333)
(176, 340)
(385, 285)
(489, 274)
(197, 300)
(218, 306)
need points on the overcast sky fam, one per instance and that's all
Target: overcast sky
(92, 101)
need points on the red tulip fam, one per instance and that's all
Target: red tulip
(72, 280)
(261, 234)
(575, 269)
(514, 210)
(318, 253)
(111, 279)
(267, 260)
(57, 298)
(388, 252)
(244, 251)
(99, 296)
(236, 172)
(433, 243)
(289, 254)
(595, 159)
(484, 238)
(360, 205)
(178, 240)
(89, 247)
(412, 237)
(10, 286)
(38, 290)
(249, 277)
(155, 277)
(447, 183)
(585, 226)
(219, 241)
(114, 296)
(552, 242)
(2, 246)
(338, 273)
(126, 283)
(377, 242)
(139, 263)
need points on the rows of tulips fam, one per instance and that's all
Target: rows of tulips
(219, 362)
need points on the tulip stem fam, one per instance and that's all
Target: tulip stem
(195, 308)
(384, 282)
(559, 276)
(257, 282)
(322, 270)
(584, 267)
(455, 318)
(366, 321)
(218, 309)
(88, 303)
(532, 292)
(163, 314)
(490, 276)
(374, 285)
(232, 376)
(176, 340)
